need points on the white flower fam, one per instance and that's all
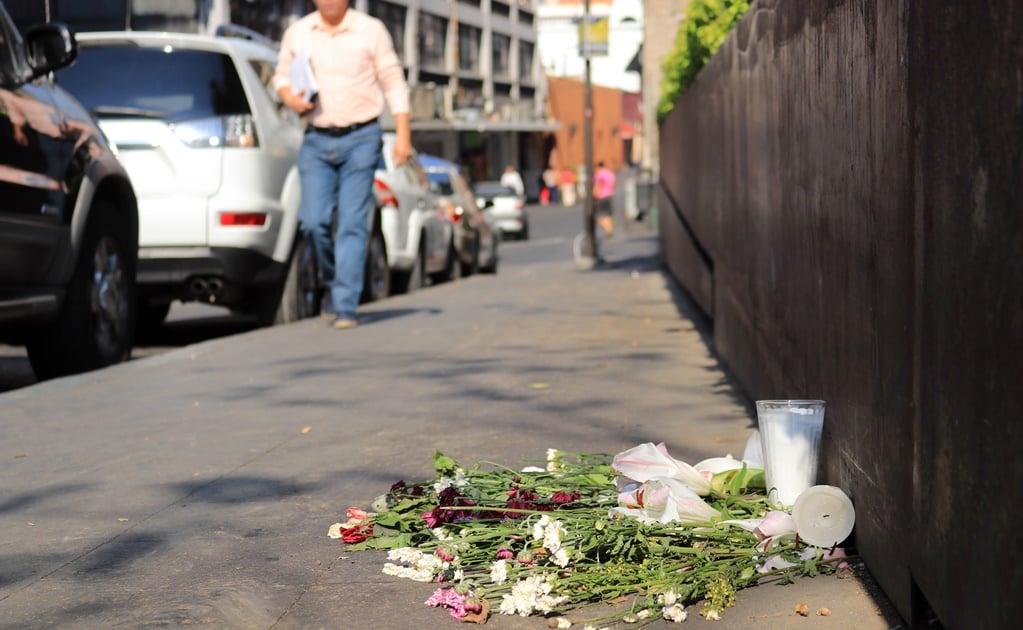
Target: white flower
(553, 459)
(552, 535)
(675, 613)
(334, 531)
(441, 534)
(533, 469)
(561, 557)
(499, 572)
(668, 598)
(647, 461)
(563, 623)
(643, 614)
(540, 526)
(380, 503)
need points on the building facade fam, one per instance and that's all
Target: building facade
(479, 92)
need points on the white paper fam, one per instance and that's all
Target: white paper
(302, 77)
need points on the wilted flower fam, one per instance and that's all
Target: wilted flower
(664, 500)
(647, 462)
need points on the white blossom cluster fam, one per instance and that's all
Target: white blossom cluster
(553, 459)
(499, 572)
(552, 533)
(673, 609)
(417, 566)
(459, 481)
(532, 594)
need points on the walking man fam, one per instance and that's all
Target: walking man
(356, 69)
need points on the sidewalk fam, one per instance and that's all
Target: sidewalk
(197, 487)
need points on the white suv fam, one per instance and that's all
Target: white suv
(211, 152)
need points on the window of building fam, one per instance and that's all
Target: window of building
(499, 59)
(526, 61)
(500, 7)
(432, 35)
(469, 38)
(393, 17)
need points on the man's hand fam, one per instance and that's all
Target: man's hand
(295, 101)
(402, 149)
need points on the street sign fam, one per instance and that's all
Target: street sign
(593, 36)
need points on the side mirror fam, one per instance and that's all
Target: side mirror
(49, 47)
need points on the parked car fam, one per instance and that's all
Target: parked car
(212, 154)
(504, 207)
(474, 242)
(416, 233)
(68, 222)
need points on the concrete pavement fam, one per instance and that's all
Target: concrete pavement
(197, 487)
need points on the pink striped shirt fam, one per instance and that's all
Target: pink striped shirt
(355, 66)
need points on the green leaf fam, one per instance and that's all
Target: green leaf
(444, 465)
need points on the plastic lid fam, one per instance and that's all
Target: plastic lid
(824, 516)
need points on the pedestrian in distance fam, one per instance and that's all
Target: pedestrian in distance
(550, 184)
(356, 69)
(566, 181)
(513, 180)
(603, 193)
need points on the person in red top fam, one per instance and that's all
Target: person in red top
(356, 70)
(603, 193)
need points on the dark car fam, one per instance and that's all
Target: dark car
(474, 241)
(68, 220)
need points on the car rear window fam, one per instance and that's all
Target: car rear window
(492, 190)
(168, 83)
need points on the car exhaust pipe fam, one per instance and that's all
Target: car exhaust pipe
(205, 289)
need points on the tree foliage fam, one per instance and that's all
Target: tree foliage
(705, 27)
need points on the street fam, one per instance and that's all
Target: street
(553, 228)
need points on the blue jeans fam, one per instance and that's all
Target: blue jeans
(337, 172)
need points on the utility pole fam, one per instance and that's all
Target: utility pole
(589, 249)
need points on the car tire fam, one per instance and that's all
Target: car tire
(95, 326)
(417, 275)
(469, 268)
(376, 283)
(492, 267)
(524, 234)
(414, 278)
(297, 296)
(149, 318)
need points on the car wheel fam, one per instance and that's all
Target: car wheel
(377, 279)
(524, 234)
(471, 267)
(96, 324)
(417, 275)
(492, 266)
(149, 318)
(297, 296)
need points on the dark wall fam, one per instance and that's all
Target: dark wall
(840, 191)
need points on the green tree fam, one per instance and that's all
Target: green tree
(705, 27)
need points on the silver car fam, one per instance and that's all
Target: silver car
(505, 209)
(416, 233)
(211, 152)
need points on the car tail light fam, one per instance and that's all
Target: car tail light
(454, 212)
(519, 204)
(243, 218)
(238, 130)
(384, 194)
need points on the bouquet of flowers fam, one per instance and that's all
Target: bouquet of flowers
(641, 529)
